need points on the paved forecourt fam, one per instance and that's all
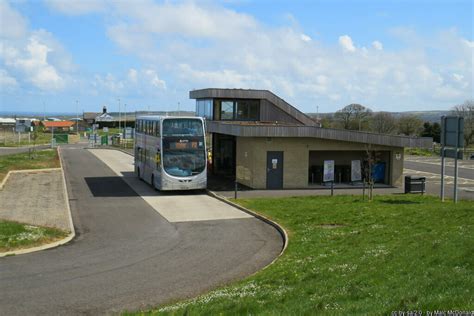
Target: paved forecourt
(36, 197)
(182, 207)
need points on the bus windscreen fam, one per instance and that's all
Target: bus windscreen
(182, 127)
(183, 147)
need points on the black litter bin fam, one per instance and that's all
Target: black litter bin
(415, 184)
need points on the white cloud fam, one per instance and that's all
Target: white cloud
(202, 44)
(109, 83)
(36, 67)
(33, 56)
(135, 81)
(7, 81)
(187, 19)
(12, 24)
(346, 43)
(377, 45)
(225, 78)
(305, 38)
(469, 44)
(32, 62)
(458, 77)
(154, 80)
(77, 7)
(133, 75)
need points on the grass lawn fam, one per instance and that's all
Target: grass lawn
(15, 235)
(420, 152)
(12, 140)
(44, 159)
(346, 256)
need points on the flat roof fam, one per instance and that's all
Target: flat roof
(217, 93)
(268, 129)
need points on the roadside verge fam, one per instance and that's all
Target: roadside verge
(72, 232)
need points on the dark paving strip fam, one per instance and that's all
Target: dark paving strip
(127, 256)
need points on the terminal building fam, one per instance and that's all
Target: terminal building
(263, 142)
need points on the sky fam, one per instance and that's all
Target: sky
(320, 55)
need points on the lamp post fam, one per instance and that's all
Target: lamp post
(77, 117)
(120, 130)
(125, 113)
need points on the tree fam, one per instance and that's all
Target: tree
(432, 130)
(352, 116)
(410, 125)
(383, 123)
(466, 110)
(372, 158)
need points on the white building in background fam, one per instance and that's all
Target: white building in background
(104, 117)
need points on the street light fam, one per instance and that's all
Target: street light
(77, 117)
(119, 115)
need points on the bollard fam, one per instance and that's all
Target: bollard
(363, 190)
(235, 190)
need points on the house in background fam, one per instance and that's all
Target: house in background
(89, 117)
(58, 126)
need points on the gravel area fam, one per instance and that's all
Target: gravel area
(36, 198)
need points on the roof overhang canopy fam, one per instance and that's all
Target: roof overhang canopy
(273, 130)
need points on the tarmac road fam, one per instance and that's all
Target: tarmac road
(126, 255)
(430, 167)
(463, 171)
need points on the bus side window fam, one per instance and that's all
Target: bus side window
(158, 158)
(158, 128)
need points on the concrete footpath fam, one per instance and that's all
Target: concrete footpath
(37, 198)
(247, 194)
(175, 207)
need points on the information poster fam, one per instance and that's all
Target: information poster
(328, 171)
(356, 174)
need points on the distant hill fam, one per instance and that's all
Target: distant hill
(425, 116)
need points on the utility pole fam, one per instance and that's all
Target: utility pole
(77, 117)
(318, 122)
(120, 130)
(125, 113)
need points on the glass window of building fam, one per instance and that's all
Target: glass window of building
(247, 110)
(204, 108)
(227, 110)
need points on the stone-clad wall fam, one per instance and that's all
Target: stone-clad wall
(251, 159)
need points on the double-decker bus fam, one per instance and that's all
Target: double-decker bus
(170, 152)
